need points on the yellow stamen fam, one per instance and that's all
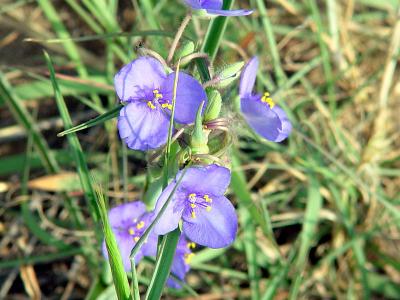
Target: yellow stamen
(192, 196)
(156, 91)
(167, 105)
(268, 100)
(207, 198)
(208, 208)
(191, 245)
(140, 225)
(192, 205)
(193, 214)
(151, 105)
(131, 231)
(136, 238)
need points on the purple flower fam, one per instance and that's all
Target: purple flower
(148, 91)
(209, 219)
(260, 111)
(181, 263)
(214, 7)
(128, 222)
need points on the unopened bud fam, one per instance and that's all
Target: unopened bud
(185, 49)
(199, 140)
(228, 75)
(214, 105)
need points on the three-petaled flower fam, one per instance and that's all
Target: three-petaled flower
(128, 222)
(260, 111)
(214, 7)
(148, 91)
(209, 218)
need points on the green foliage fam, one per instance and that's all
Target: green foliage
(318, 215)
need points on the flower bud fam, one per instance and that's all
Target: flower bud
(185, 49)
(228, 75)
(214, 105)
(199, 140)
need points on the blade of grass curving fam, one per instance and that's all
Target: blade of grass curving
(268, 28)
(313, 207)
(215, 32)
(115, 260)
(134, 282)
(96, 121)
(25, 119)
(79, 156)
(163, 264)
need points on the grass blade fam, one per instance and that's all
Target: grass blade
(80, 159)
(163, 264)
(115, 260)
(113, 113)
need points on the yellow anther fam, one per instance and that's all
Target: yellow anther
(191, 245)
(188, 257)
(268, 100)
(192, 205)
(207, 198)
(208, 208)
(192, 196)
(131, 231)
(140, 225)
(156, 91)
(193, 214)
(166, 105)
(136, 238)
(151, 105)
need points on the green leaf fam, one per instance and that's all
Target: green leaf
(163, 264)
(114, 256)
(79, 156)
(113, 113)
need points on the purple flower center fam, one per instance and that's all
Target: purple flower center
(158, 100)
(195, 202)
(135, 228)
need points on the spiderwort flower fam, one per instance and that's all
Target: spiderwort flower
(214, 7)
(128, 222)
(260, 111)
(181, 263)
(147, 90)
(209, 219)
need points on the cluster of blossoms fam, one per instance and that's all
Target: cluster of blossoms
(153, 95)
